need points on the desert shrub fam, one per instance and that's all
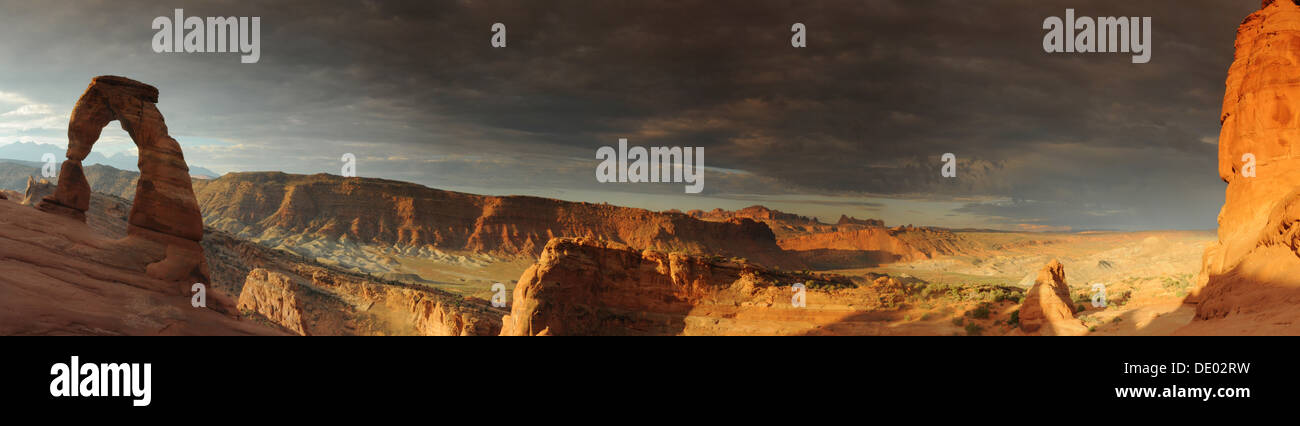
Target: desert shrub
(1080, 308)
(1015, 318)
(1179, 285)
(1009, 295)
(973, 329)
(958, 321)
(1119, 299)
(980, 312)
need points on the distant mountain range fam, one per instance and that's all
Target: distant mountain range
(32, 152)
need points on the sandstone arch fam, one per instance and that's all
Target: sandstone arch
(165, 226)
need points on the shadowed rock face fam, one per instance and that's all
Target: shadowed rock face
(164, 219)
(1251, 270)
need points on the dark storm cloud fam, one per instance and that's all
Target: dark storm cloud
(884, 88)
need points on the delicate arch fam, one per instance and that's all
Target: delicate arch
(165, 210)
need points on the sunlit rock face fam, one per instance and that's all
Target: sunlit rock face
(1253, 270)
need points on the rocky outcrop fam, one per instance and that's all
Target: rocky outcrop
(273, 207)
(274, 296)
(1250, 277)
(582, 286)
(337, 302)
(59, 277)
(1047, 308)
(36, 191)
(165, 224)
(756, 213)
(846, 220)
(430, 312)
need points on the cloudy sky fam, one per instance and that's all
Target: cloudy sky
(853, 124)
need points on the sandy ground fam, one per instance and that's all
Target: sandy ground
(1146, 275)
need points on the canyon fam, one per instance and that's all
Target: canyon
(930, 279)
(103, 251)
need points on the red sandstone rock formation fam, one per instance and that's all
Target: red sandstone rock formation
(757, 213)
(846, 220)
(583, 286)
(391, 213)
(165, 225)
(1047, 308)
(1250, 274)
(36, 191)
(338, 302)
(878, 244)
(274, 296)
(430, 312)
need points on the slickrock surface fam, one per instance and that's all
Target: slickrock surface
(58, 277)
(1250, 278)
(1047, 308)
(273, 295)
(164, 218)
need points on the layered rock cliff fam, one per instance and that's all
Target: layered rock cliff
(1250, 278)
(274, 206)
(274, 296)
(850, 242)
